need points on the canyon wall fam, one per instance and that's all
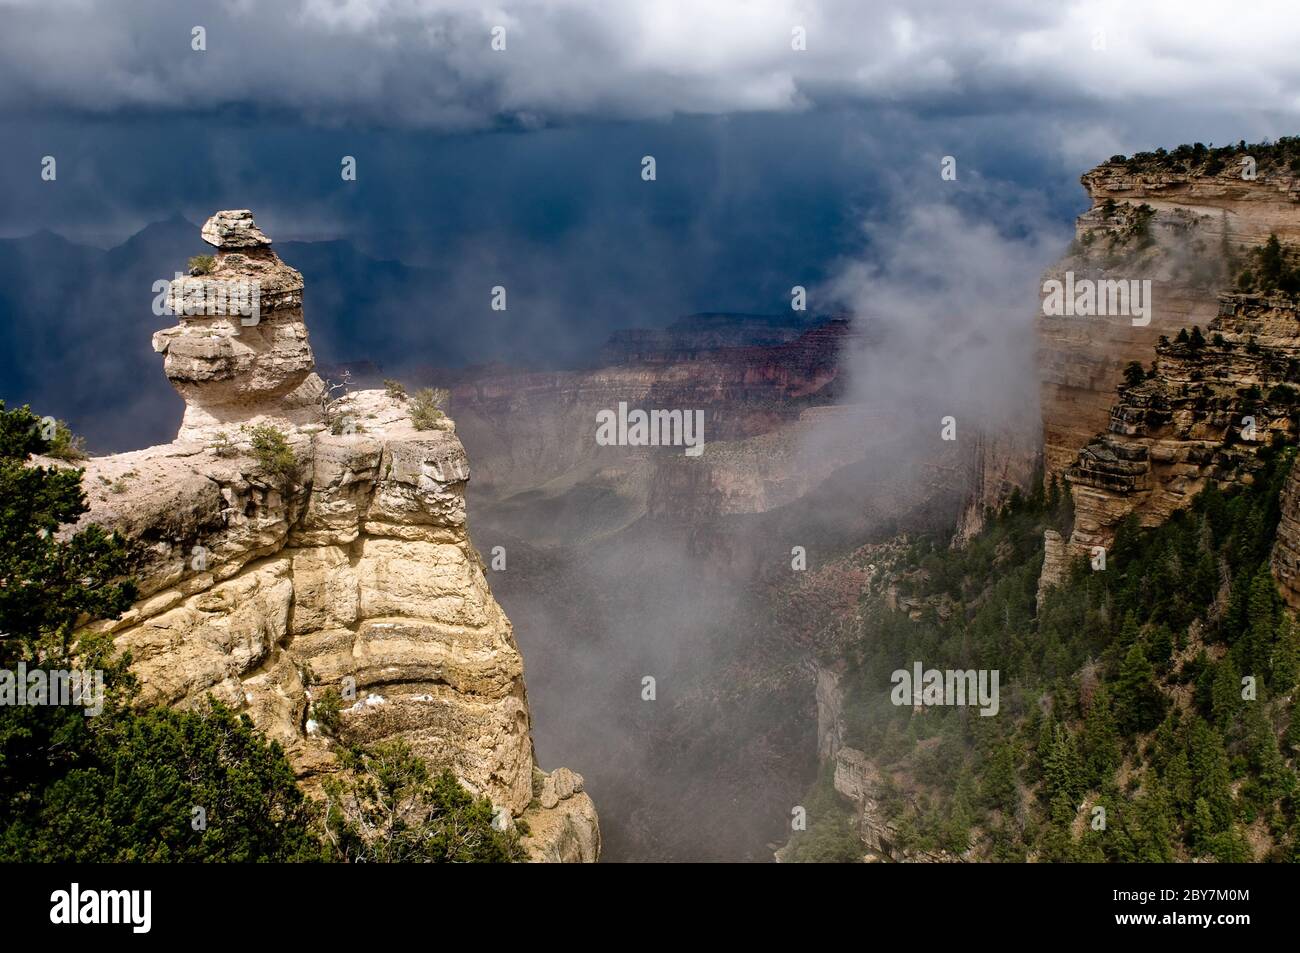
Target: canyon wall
(345, 564)
(1203, 406)
(1286, 549)
(1201, 416)
(1194, 222)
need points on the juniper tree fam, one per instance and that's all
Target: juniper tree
(123, 785)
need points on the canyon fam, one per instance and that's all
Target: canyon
(622, 563)
(1138, 416)
(626, 562)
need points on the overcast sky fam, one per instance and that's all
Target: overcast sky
(776, 166)
(118, 90)
(431, 64)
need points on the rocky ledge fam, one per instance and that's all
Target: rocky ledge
(1200, 414)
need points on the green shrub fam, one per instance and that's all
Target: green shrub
(153, 785)
(65, 445)
(202, 265)
(395, 389)
(425, 412)
(388, 808)
(271, 450)
(326, 712)
(222, 446)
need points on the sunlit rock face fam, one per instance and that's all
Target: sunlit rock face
(1194, 223)
(1148, 447)
(1201, 416)
(240, 348)
(353, 570)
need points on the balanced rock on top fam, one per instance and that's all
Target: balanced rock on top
(233, 229)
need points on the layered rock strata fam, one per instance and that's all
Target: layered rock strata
(1175, 229)
(1286, 547)
(1204, 406)
(1201, 414)
(348, 566)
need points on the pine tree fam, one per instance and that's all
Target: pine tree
(1291, 739)
(1100, 740)
(1157, 826)
(1138, 703)
(1211, 778)
(1215, 508)
(1064, 767)
(1284, 663)
(1225, 694)
(1270, 778)
(1230, 847)
(1254, 648)
(998, 788)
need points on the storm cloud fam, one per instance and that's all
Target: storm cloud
(431, 63)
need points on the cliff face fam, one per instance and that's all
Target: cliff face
(1205, 408)
(1286, 549)
(535, 428)
(1179, 241)
(353, 570)
(1201, 416)
(862, 782)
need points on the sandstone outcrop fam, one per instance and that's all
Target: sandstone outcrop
(1201, 415)
(1176, 229)
(1147, 447)
(1286, 548)
(349, 567)
(233, 363)
(1055, 564)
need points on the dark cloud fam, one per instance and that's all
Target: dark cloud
(429, 63)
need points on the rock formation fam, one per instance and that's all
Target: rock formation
(1201, 415)
(1173, 228)
(1204, 408)
(1286, 548)
(266, 583)
(861, 781)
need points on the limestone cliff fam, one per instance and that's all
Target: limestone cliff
(1200, 416)
(1149, 446)
(348, 566)
(1286, 548)
(1148, 222)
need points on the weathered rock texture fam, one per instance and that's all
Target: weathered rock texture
(354, 571)
(1178, 241)
(861, 781)
(1055, 564)
(1201, 416)
(1004, 460)
(1286, 548)
(232, 366)
(1202, 411)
